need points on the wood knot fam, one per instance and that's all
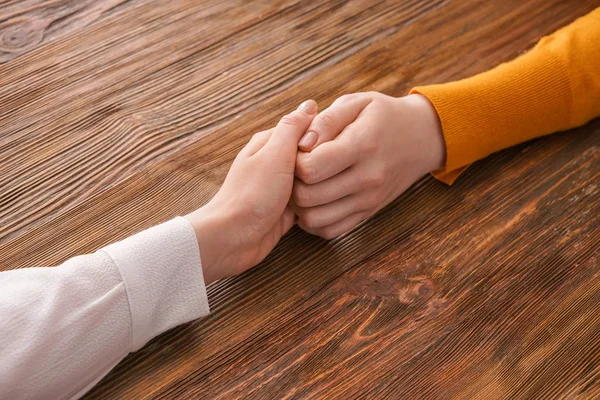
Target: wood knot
(420, 288)
(15, 39)
(380, 285)
(411, 289)
(21, 34)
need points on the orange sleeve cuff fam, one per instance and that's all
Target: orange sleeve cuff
(509, 104)
(540, 92)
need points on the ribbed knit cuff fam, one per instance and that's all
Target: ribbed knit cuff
(514, 102)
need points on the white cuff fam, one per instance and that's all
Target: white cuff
(162, 273)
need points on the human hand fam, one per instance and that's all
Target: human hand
(359, 155)
(244, 221)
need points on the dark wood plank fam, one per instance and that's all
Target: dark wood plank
(489, 289)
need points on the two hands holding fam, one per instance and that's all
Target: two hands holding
(355, 157)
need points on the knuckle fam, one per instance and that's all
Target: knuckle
(301, 196)
(306, 172)
(372, 182)
(309, 219)
(370, 146)
(345, 99)
(292, 119)
(375, 178)
(324, 121)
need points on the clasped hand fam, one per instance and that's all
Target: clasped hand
(355, 157)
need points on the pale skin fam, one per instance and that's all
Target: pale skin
(355, 157)
(240, 226)
(359, 155)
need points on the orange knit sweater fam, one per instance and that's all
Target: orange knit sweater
(553, 87)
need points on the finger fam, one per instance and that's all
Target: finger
(327, 160)
(282, 146)
(341, 185)
(332, 121)
(339, 228)
(256, 143)
(327, 214)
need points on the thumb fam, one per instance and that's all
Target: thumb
(331, 122)
(283, 143)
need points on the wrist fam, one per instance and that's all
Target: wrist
(209, 227)
(430, 128)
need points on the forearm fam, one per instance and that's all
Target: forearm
(63, 327)
(70, 325)
(554, 87)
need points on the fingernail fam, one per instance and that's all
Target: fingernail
(309, 107)
(308, 140)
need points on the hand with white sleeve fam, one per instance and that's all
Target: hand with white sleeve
(69, 325)
(244, 221)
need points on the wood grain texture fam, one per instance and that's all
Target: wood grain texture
(129, 116)
(25, 25)
(149, 96)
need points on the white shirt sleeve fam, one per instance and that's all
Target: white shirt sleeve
(63, 328)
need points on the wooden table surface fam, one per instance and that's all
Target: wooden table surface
(116, 115)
